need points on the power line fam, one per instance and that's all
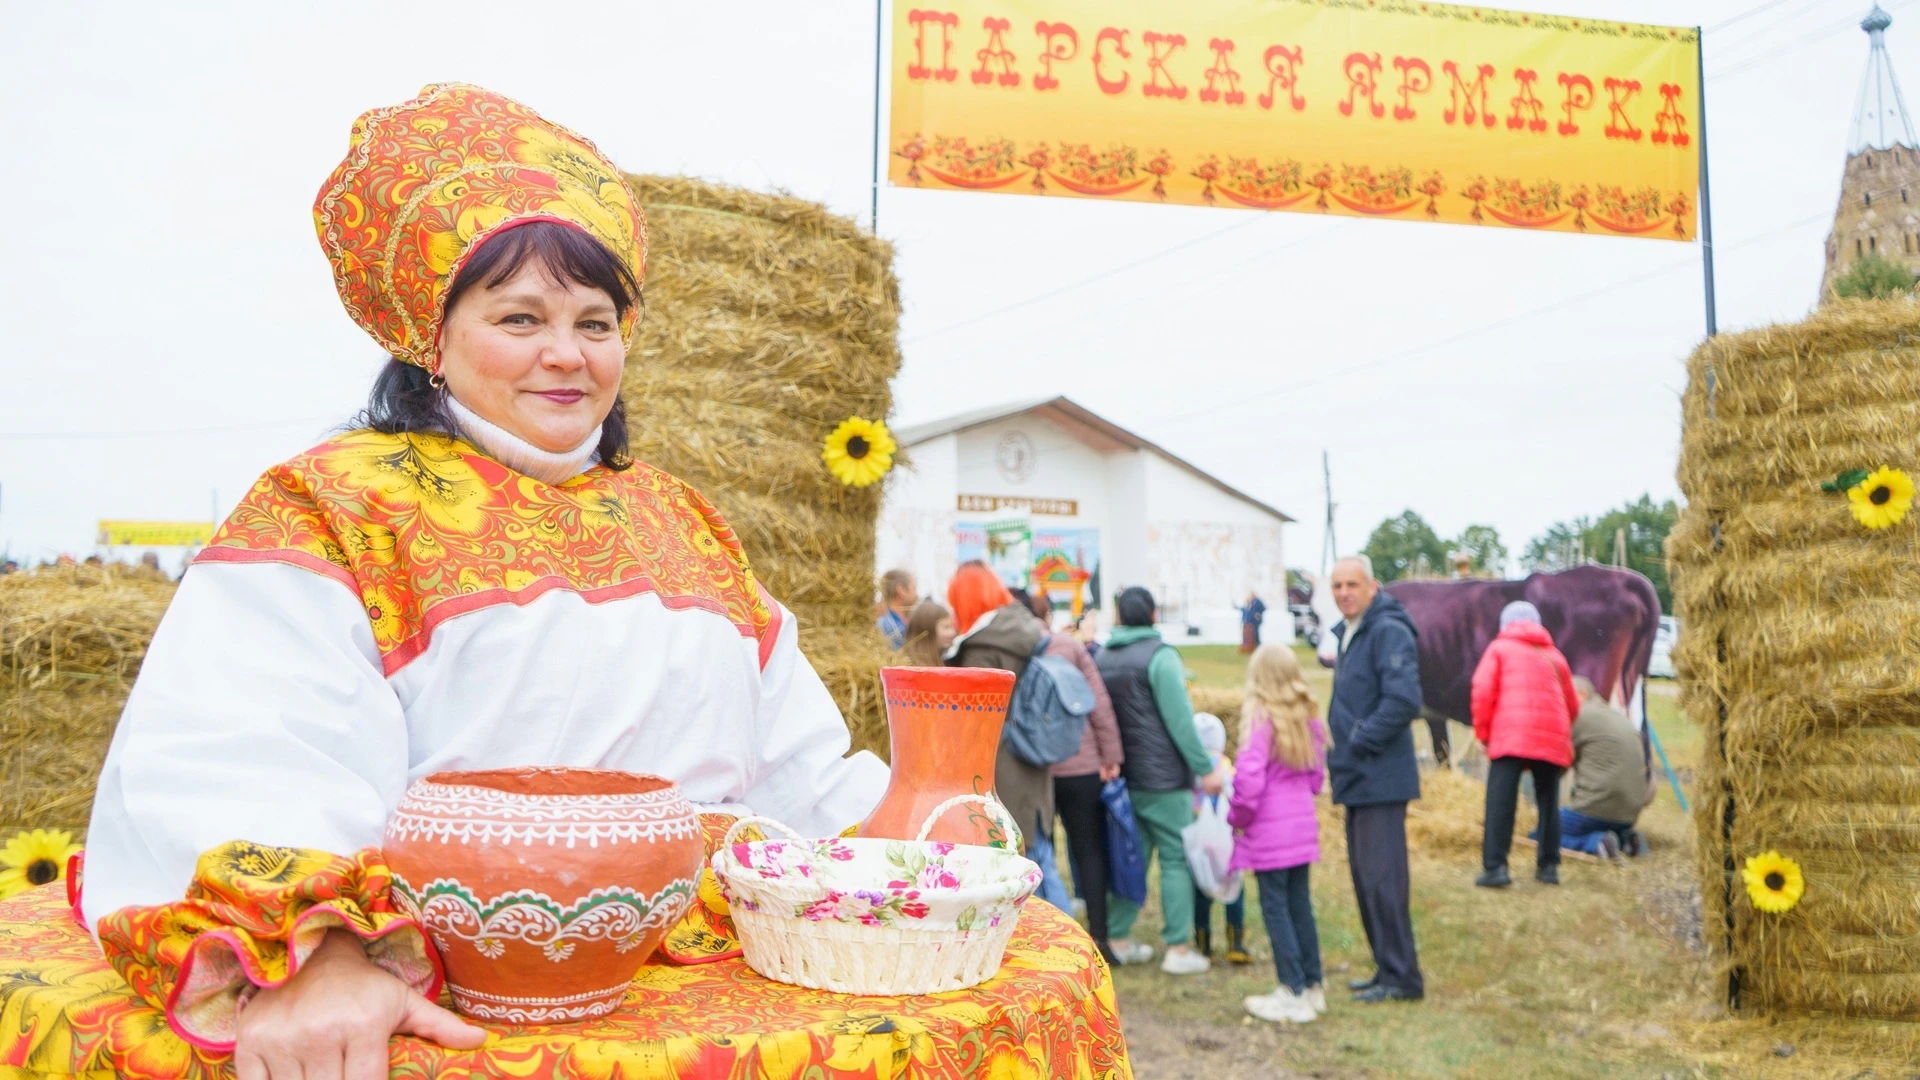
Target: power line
(164, 433)
(1478, 330)
(1747, 14)
(1069, 287)
(1799, 43)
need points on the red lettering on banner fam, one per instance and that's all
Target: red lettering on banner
(1619, 125)
(1460, 96)
(1579, 90)
(1157, 65)
(947, 21)
(1119, 39)
(1416, 77)
(1363, 78)
(1670, 114)
(1052, 49)
(996, 52)
(1222, 70)
(1283, 70)
(1525, 102)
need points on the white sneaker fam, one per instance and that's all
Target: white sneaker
(1130, 951)
(1182, 960)
(1281, 1006)
(1317, 997)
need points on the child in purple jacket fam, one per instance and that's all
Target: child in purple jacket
(1282, 766)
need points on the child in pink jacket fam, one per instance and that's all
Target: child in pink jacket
(1282, 766)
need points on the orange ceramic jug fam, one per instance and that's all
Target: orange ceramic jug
(944, 725)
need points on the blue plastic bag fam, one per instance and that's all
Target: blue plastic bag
(1052, 889)
(1126, 863)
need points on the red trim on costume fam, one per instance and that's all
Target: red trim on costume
(291, 556)
(250, 968)
(771, 635)
(75, 866)
(412, 648)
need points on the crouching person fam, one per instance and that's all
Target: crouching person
(1610, 781)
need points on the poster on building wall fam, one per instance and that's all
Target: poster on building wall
(1063, 562)
(1403, 111)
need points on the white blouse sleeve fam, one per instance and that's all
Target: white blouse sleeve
(261, 713)
(804, 776)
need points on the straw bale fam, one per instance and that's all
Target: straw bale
(768, 322)
(71, 642)
(1797, 661)
(1224, 703)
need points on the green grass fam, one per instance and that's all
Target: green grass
(1592, 978)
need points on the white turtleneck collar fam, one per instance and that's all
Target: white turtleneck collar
(520, 455)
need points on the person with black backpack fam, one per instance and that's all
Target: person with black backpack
(1147, 682)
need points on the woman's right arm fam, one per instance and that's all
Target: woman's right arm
(260, 749)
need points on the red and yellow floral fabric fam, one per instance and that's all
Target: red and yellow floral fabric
(424, 527)
(251, 917)
(424, 182)
(1049, 1014)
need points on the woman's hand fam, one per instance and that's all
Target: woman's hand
(332, 1020)
(1108, 773)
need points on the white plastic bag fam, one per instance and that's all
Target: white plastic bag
(1209, 844)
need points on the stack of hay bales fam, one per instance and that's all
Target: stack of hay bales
(71, 641)
(1800, 656)
(768, 322)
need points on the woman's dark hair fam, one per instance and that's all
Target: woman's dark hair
(1135, 606)
(405, 400)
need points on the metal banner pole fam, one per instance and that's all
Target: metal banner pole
(879, 27)
(1706, 191)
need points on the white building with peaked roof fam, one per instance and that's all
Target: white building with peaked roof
(1108, 509)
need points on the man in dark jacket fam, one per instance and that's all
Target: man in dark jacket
(1376, 695)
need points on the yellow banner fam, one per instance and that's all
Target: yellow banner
(155, 533)
(1374, 108)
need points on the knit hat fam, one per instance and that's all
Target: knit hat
(1518, 611)
(426, 182)
(1213, 733)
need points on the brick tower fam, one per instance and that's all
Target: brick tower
(1879, 210)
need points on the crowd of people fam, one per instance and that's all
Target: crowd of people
(1533, 716)
(149, 564)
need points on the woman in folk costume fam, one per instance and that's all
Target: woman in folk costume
(477, 577)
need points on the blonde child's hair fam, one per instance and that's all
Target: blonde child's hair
(1277, 692)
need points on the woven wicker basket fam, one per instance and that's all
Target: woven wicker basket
(872, 916)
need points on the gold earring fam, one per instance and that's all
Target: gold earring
(437, 381)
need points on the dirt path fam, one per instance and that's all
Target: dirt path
(1169, 1049)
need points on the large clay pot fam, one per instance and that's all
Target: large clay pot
(543, 889)
(944, 725)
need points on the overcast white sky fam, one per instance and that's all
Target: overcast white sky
(172, 328)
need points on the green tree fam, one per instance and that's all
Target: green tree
(1482, 544)
(1874, 277)
(1643, 524)
(1404, 546)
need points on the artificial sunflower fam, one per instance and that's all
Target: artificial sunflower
(1773, 882)
(34, 857)
(859, 451)
(1879, 499)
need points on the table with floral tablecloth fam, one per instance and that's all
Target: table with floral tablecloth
(1049, 1013)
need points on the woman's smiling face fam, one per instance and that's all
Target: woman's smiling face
(538, 355)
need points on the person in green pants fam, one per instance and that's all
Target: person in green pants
(1148, 685)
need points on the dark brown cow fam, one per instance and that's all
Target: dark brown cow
(1602, 619)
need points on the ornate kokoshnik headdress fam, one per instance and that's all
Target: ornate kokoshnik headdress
(425, 182)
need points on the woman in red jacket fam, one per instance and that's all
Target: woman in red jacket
(1523, 710)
